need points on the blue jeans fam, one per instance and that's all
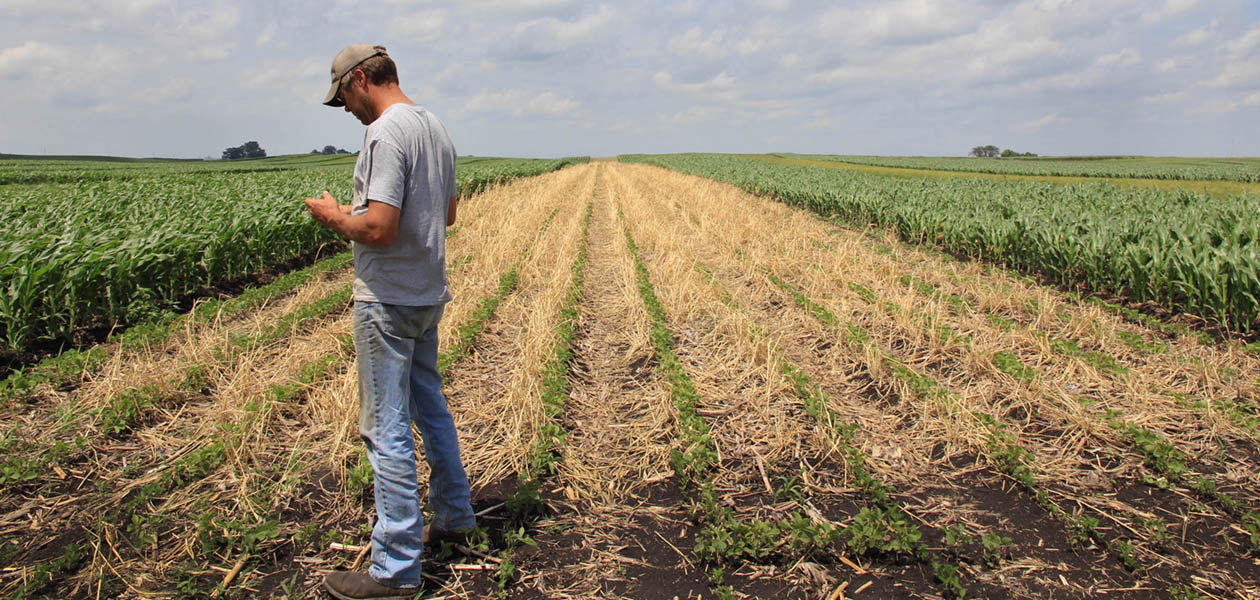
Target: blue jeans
(396, 349)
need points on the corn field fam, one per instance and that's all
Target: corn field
(118, 243)
(1118, 167)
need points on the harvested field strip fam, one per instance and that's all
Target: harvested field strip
(998, 360)
(526, 505)
(1182, 370)
(941, 403)
(728, 236)
(118, 407)
(902, 314)
(694, 462)
(617, 418)
(549, 442)
(941, 502)
(1046, 382)
(495, 394)
(616, 427)
(846, 387)
(738, 414)
(883, 513)
(146, 491)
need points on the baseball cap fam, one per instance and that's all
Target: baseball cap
(350, 57)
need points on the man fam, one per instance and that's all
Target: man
(404, 198)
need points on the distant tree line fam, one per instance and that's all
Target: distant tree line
(992, 151)
(246, 150)
(331, 150)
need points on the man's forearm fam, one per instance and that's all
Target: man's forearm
(354, 227)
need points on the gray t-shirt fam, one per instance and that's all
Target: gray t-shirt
(407, 161)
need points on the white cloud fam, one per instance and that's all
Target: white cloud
(1171, 8)
(521, 6)
(519, 103)
(424, 26)
(695, 43)
(1199, 36)
(719, 86)
(551, 35)
(211, 24)
(1244, 45)
(310, 73)
(31, 59)
(1165, 98)
(1236, 75)
(717, 44)
(899, 21)
(267, 35)
(1042, 123)
(59, 67)
(1122, 59)
(773, 5)
(696, 114)
(174, 90)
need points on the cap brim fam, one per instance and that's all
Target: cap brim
(331, 98)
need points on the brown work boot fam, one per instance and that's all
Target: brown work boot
(433, 535)
(352, 585)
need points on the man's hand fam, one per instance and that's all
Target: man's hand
(376, 227)
(324, 209)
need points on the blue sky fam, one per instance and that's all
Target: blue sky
(555, 77)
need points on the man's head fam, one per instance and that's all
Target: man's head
(356, 69)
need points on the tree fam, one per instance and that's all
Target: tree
(330, 149)
(989, 151)
(246, 150)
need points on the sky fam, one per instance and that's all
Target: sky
(548, 78)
